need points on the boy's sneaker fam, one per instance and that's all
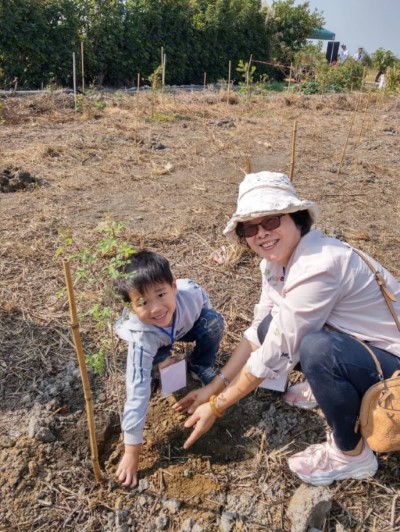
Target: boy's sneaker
(324, 463)
(300, 395)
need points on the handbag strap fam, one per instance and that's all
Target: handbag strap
(377, 363)
(387, 294)
(389, 298)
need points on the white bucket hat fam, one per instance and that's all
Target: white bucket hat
(266, 193)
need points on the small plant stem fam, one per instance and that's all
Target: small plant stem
(82, 367)
(292, 160)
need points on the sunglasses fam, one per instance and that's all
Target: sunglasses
(269, 223)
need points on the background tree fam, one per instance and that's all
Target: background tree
(381, 59)
(289, 27)
(124, 37)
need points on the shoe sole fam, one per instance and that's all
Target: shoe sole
(367, 471)
(305, 405)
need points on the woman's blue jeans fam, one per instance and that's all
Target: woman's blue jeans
(339, 370)
(207, 332)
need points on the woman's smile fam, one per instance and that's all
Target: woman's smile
(278, 244)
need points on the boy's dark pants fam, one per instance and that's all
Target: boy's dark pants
(207, 333)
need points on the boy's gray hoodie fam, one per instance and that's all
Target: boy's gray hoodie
(144, 340)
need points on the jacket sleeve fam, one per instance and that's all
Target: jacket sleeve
(305, 306)
(261, 309)
(138, 387)
(206, 303)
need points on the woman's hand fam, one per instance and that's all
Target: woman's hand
(193, 399)
(202, 420)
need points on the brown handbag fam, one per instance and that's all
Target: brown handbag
(379, 418)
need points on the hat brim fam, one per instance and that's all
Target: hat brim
(303, 205)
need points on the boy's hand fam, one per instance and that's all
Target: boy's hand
(202, 420)
(193, 399)
(127, 469)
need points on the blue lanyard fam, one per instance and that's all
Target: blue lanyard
(172, 333)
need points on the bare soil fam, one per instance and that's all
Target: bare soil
(169, 166)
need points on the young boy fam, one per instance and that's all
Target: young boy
(164, 310)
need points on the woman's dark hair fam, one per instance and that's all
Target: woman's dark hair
(142, 270)
(302, 219)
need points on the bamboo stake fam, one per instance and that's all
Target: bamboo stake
(74, 76)
(204, 94)
(82, 68)
(348, 135)
(290, 76)
(229, 81)
(247, 165)
(363, 119)
(248, 78)
(378, 102)
(293, 150)
(163, 70)
(137, 107)
(82, 367)
(363, 78)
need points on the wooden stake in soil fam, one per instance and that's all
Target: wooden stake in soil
(248, 79)
(82, 367)
(247, 165)
(204, 94)
(137, 107)
(290, 76)
(363, 119)
(348, 135)
(293, 150)
(163, 71)
(74, 76)
(229, 82)
(82, 69)
(378, 102)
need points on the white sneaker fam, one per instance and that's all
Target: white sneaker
(324, 463)
(300, 395)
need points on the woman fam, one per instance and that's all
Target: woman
(318, 296)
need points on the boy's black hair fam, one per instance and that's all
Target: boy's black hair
(302, 219)
(142, 270)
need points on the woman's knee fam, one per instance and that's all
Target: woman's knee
(314, 350)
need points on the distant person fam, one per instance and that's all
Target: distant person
(164, 310)
(343, 53)
(318, 297)
(359, 55)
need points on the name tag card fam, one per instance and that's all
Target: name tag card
(279, 384)
(172, 375)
